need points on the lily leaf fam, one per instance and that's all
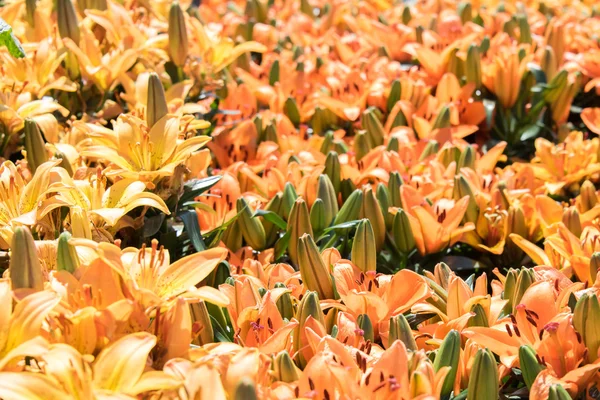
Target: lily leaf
(192, 227)
(272, 218)
(8, 39)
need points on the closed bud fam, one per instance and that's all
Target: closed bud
(232, 237)
(306, 8)
(448, 355)
(327, 142)
(156, 106)
(516, 221)
(510, 283)
(372, 124)
(245, 390)
(285, 369)
(333, 170)
(419, 34)
(400, 330)
(364, 249)
(462, 189)
(393, 144)
(449, 154)
(30, 6)
(66, 256)
(178, 39)
(298, 225)
(366, 326)
(252, 230)
(270, 134)
(480, 317)
(587, 196)
(402, 233)
(317, 216)
(572, 221)
(362, 145)
(201, 324)
(25, 269)
(443, 118)
(309, 307)
(473, 66)
(525, 278)
(80, 223)
(467, 158)
(483, 380)
(394, 95)
(465, 12)
(524, 29)
(594, 266)
(347, 187)
(288, 199)
(585, 320)
(455, 64)
(274, 73)
(394, 184)
(406, 15)
(430, 149)
(315, 274)
(219, 275)
(291, 110)
(256, 11)
(530, 366)
(556, 86)
(383, 197)
(35, 146)
(557, 392)
(350, 208)
(370, 210)
(66, 19)
(285, 304)
(326, 192)
(397, 116)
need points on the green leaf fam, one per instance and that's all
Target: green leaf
(282, 245)
(192, 227)
(10, 41)
(271, 217)
(196, 187)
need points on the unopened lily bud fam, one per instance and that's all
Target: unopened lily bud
(326, 192)
(34, 145)
(25, 269)
(372, 124)
(557, 392)
(66, 18)
(449, 154)
(556, 86)
(361, 145)
(555, 38)
(366, 326)
(525, 278)
(448, 355)
(333, 170)
(201, 324)
(317, 216)
(530, 366)
(483, 380)
(524, 29)
(80, 223)
(383, 197)
(394, 184)
(572, 221)
(30, 6)
(291, 110)
(232, 237)
(462, 189)
(327, 143)
(510, 283)
(156, 106)
(245, 390)
(252, 230)
(402, 233)
(347, 187)
(271, 134)
(298, 225)
(473, 66)
(351, 208)
(288, 199)
(455, 64)
(274, 73)
(485, 45)
(516, 221)
(400, 330)
(406, 15)
(443, 118)
(419, 34)
(585, 321)
(219, 275)
(364, 249)
(178, 39)
(587, 196)
(465, 12)
(393, 144)
(315, 274)
(370, 210)
(66, 257)
(285, 369)
(285, 304)
(480, 317)
(306, 8)
(467, 158)
(309, 307)
(431, 149)
(394, 96)
(594, 266)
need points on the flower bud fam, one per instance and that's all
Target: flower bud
(66, 257)
(480, 317)
(298, 225)
(572, 221)
(347, 187)
(333, 170)
(156, 106)
(309, 307)
(326, 192)
(80, 223)
(448, 355)
(370, 209)
(402, 233)
(327, 143)
(557, 392)
(443, 119)
(317, 216)
(178, 39)
(35, 146)
(530, 366)
(524, 29)
(252, 230)
(585, 321)
(483, 380)
(315, 274)
(525, 278)
(587, 196)
(467, 158)
(394, 96)
(288, 199)
(462, 189)
(270, 134)
(394, 184)
(30, 6)
(364, 250)
(383, 198)
(516, 221)
(366, 326)
(25, 269)
(406, 15)
(66, 19)
(594, 266)
(201, 324)
(473, 66)
(372, 125)
(455, 64)
(431, 149)
(350, 208)
(465, 12)
(285, 369)
(419, 30)
(285, 304)
(232, 237)
(362, 145)
(219, 275)
(291, 110)
(393, 144)
(449, 154)
(274, 73)
(400, 330)
(245, 390)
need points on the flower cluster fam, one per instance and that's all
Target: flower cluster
(252, 199)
